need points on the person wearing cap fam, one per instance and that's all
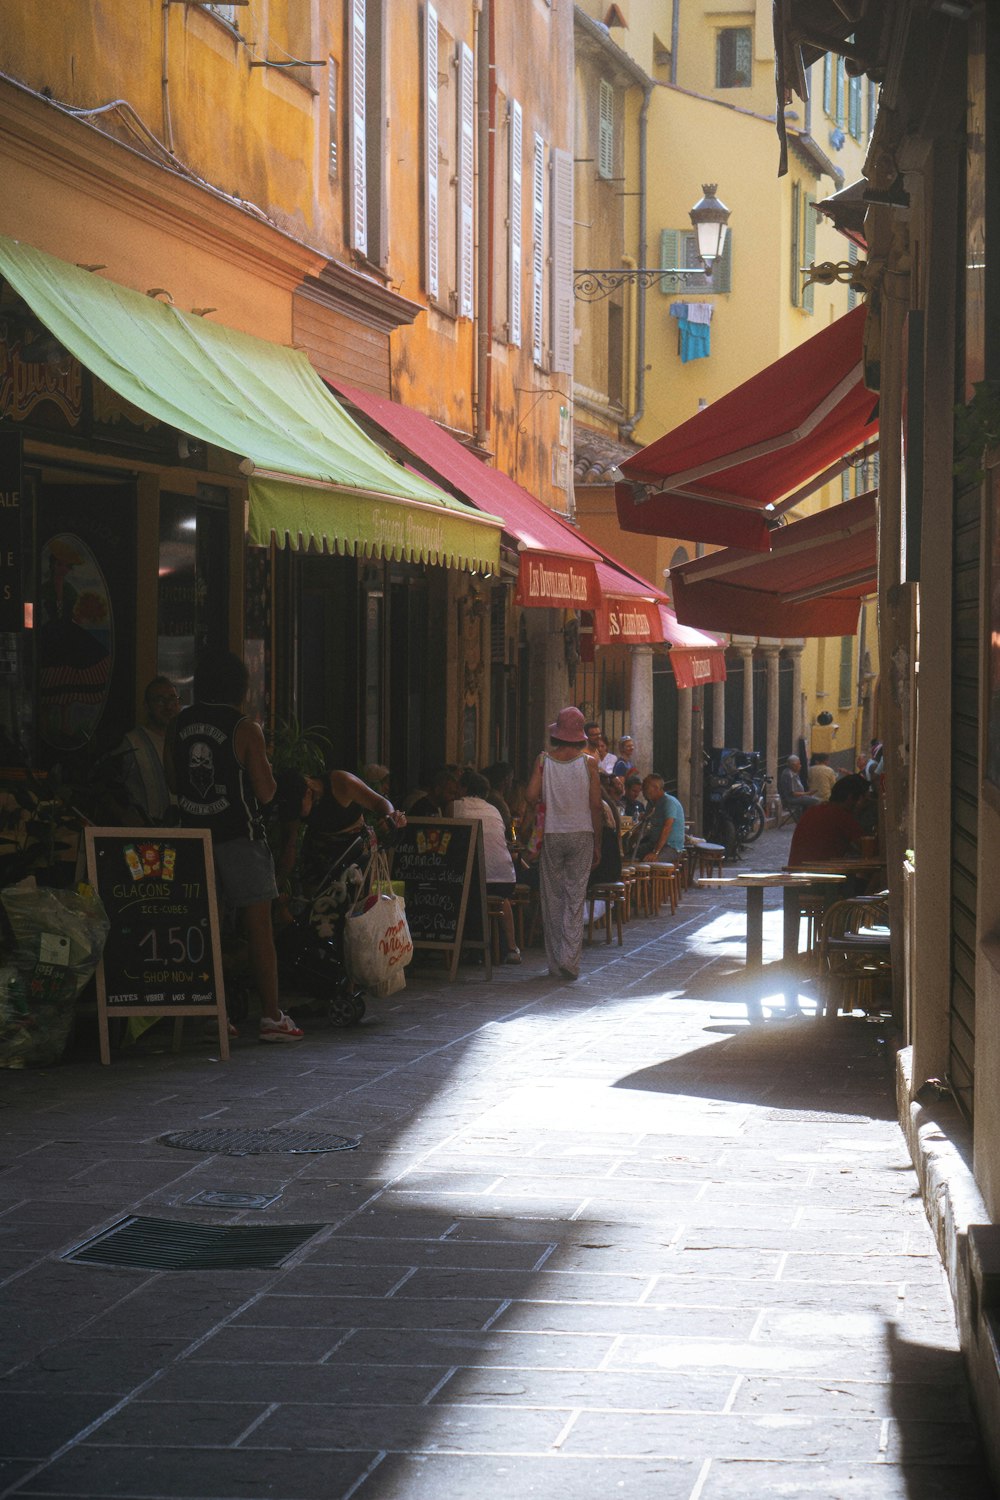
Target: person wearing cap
(565, 781)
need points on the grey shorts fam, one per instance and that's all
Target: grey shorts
(244, 872)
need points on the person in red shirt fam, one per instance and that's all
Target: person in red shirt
(831, 830)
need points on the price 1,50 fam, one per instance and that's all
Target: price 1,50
(181, 946)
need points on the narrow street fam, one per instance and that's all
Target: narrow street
(596, 1239)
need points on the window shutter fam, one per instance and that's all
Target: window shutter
(810, 240)
(333, 163)
(722, 270)
(839, 101)
(846, 695)
(852, 259)
(854, 107)
(562, 261)
(795, 287)
(514, 271)
(359, 165)
(606, 131)
(537, 248)
(431, 149)
(466, 179)
(827, 84)
(670, 248)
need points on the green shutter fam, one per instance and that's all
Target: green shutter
(854, 107)
(828, 84)
(810, 244)
(838, 113)
(722, 272)
(796, 246)
(670, 249)
(846, 695)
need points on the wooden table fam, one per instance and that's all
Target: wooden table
(756, 883)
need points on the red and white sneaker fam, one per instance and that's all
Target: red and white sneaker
(283, 1029)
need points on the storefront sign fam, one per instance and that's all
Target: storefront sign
(162, 955)
(694, 668)
(630, 622)
(545, 581)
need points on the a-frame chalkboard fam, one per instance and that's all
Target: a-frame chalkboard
(162, 955)
(441, 862)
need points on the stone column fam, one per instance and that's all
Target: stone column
(685, 749)
(770, 651)
(745, 650)
(718, 713)
(640, 709)
(794, 650)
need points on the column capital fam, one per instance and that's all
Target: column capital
(770, 649)
(794, 648)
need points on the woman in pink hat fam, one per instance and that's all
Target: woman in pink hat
(566, 783)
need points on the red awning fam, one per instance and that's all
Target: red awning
(696, 658)
(558, 568)
(810, 583)
(710, 479)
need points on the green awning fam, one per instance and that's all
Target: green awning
(314, 476)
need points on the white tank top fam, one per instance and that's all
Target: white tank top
(566, 794)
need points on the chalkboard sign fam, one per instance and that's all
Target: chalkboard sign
(162, 954)
(440, 861)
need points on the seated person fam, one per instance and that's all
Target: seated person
(633, 805)
(822, 776)
(831, 830)
(626, 756)
(500, 876)
(609, 866)
(794, 797)
(141, 753)
(606, 758)
(662, 833)
(442, 789)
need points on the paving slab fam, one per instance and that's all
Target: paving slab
(654, 1234)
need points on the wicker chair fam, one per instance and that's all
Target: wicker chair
(854, 964)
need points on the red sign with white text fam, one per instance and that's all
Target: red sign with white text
(546, 581)
(630, 622)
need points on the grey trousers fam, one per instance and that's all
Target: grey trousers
(566, 863)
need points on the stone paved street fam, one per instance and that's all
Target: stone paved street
(652, 1234)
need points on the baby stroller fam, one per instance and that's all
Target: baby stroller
(310, 944)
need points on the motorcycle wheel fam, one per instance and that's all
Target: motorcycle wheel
(754, 825)
(725, 834)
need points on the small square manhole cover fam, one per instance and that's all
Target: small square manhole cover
(215, 1198)
(242, 1141)
(169, 1245)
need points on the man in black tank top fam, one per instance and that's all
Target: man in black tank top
(217, 762)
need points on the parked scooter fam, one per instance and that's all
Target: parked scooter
(732, 811)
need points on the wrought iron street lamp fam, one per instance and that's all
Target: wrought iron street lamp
(710, 218)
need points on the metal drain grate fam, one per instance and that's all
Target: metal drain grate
(168, 1245)
(216, 1198)
(258, 1142)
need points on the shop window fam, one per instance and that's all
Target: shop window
(734, 58)
(193, 599)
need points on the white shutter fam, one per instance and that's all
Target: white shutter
(514, 270)
(562, 261)
(359, 164)
(537, 249)
(606, 131)
(431, 149)
(466, 179)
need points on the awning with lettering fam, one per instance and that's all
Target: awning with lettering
(557, 567)
(696, 657)
(717, 477)
(315, 479)
(810, 583)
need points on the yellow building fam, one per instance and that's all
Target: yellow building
(678, 100)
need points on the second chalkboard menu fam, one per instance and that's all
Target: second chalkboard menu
(440, 861)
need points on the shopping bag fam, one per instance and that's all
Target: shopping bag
(377, 942)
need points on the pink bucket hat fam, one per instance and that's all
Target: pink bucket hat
(569, 727)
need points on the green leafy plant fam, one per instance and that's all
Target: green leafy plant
(297, 748)
(977, 429)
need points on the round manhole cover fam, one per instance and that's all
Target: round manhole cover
(258, 1142)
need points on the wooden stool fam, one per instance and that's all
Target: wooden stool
(643, 889)
(520, 905)
(494, 911)
(629, 880)
(666, 885)
(612, 893)
(710, 858)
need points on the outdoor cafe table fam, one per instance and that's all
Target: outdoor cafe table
(756, 883)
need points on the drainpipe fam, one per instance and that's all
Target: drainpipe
(626, 429)
(168, 129)
(675, 32)
(484, 319)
